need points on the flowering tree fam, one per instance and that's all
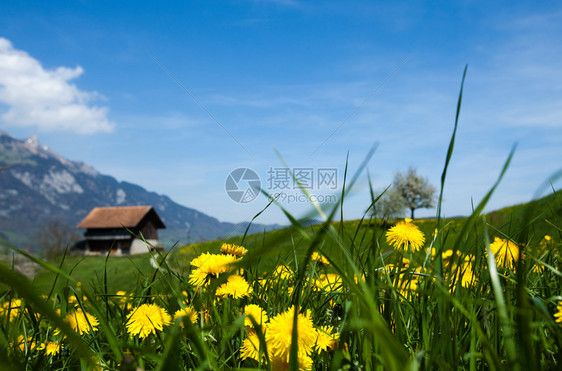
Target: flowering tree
(415, 191)
(390, 204)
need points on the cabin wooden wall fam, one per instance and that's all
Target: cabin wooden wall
(149, 231)
(105, 245)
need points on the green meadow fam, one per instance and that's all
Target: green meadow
(277, 247)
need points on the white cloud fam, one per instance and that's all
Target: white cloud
(44, 98)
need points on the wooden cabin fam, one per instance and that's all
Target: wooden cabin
(119, 229)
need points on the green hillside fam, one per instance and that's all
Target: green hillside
(544, 218)
(276, 247)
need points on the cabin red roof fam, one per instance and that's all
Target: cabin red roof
(119, 217)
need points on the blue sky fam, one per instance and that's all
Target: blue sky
(92, 79)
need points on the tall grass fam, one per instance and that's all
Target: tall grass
(451, 305)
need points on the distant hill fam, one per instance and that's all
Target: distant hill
(38, 186)
(542, 217)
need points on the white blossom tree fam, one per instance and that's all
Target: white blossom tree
(390, 204)
(415, 190)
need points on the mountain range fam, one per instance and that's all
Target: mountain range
(38, 186)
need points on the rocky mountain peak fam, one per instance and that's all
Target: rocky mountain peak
(32, 141)
(40, 186)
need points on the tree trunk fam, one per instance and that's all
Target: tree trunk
(412, 214)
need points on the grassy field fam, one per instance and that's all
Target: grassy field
(380, 307)
(280, 246)
(118, 273)
(477, 293)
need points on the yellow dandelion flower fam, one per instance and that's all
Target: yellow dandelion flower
(259, 315)
(326, 338)
(357, 278)
(465, 275)
(231, 249)
(328, 282)
(316, 257)
(251, 347)
(235, 287)
(505, 252)
(199, 277)
(11, 308)
(73, 300)
(537, 268)
(547, 237)
(25, 343)
(188, 312)
(121, 296)
(447, 254)
(444, 254)
(279, 332)
(467, 278)
(404, 235)
(406, 284)
(409, 285)
(124, 299)
(291, 289)
(283, 272)
(281, 364)
(559, 314)
(82, 322)
(198, 261)
(146, 319)
(389, 268)
(52, 348)
(392, 268)
(210, 266)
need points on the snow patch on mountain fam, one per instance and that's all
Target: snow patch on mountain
(24, 177)
(61, 182)
(120, 196)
